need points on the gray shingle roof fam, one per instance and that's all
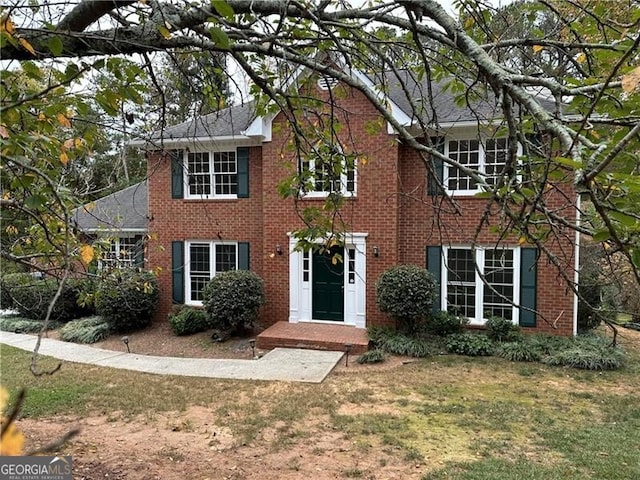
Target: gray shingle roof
(126, 209)
(480, 106)
(231, 121)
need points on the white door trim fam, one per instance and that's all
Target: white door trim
(355, 275)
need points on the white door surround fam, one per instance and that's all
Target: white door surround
(300, 282)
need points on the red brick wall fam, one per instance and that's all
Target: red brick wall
(180, 219)
(373, 211)
(430, 220)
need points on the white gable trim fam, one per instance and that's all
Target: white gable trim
(260, 127)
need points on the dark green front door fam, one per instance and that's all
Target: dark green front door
(328, 286)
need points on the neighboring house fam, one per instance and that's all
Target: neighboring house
(121, 219)
(214, 206)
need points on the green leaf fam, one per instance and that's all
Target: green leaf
(601, 236)
(56, 46)
(623, 218)
(219, 37)
(223, 8)
(34, 202)
(635, 257)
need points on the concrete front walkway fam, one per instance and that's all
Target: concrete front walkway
(290, 365)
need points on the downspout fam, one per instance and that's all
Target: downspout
(576, 274)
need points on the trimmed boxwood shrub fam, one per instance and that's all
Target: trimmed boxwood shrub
(127, 299)
(233, 300)
(470, 344)
(445, 323)
(502, 330)
(188, 320)
(31, 296)
(406, 293)
(86, 330)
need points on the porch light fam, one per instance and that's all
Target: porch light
(376, 251)
(279, 249)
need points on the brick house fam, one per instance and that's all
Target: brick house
(214, 205)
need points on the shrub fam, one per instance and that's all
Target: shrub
(409, 346)
(406, 293)
(86, 330)
(522, 351)
(127, 299)
(502, 330)
(445, 323)
(17, 324)
(31, 296)
(470, 344)
(188, 320)
(372, 356)
(233, 300)
(588, 357)
(391, 341)
(378, 334)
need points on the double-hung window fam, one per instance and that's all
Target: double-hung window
(486, 157)
(205, 260)
(212, 175)
(124, 252)
(482, 282)
(334, 173)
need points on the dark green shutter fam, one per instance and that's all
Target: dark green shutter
(528, 280)
(242, 157)
(177, 173)
(243, 256)
(434, 265)
(177, 272)
(436, 176)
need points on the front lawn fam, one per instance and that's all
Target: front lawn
(440, 417)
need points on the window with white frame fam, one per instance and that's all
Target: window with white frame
(485, 291)
(487, 157)
(205, 260)
(327, 170)
(212, 175)
(124, 252)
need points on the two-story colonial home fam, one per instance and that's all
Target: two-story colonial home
(215, 205)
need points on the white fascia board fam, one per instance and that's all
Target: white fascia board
(397, 113)
(260, 127)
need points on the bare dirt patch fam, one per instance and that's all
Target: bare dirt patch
(190, 445)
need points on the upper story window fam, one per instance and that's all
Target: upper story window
(212, 175)
(487, 157)
(327, 170)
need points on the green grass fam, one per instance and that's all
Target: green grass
(445, 417)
